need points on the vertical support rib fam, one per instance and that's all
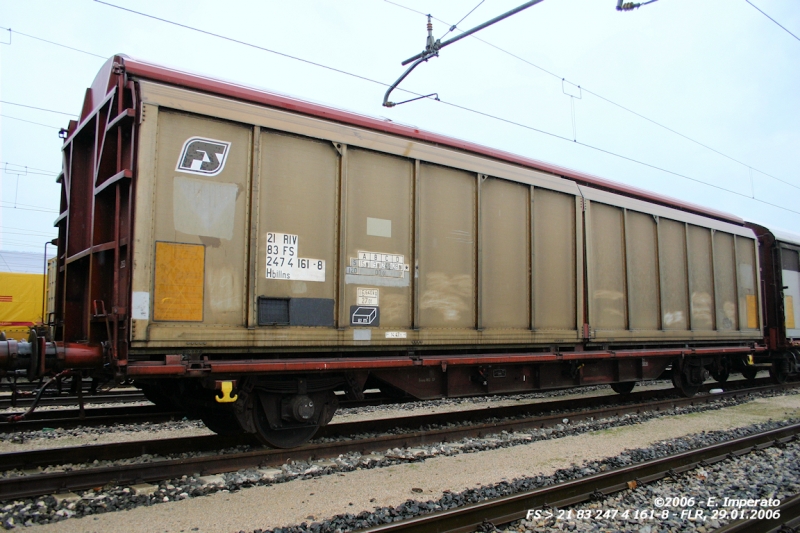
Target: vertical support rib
(736, 283)
(341, 263)
(688, 276)
(660, 275)
(415, 247)
(251, 274)
(627, 263)
(478, 255)
(531, 258)
(715, 325)
(585, 272)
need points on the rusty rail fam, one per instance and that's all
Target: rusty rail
(47, 483)
(511, 508)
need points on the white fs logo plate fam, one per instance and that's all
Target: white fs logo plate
(203, 156)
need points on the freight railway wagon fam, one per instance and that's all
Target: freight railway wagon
(248, 255)
(779, 254)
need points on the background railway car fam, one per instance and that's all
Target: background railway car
(247, 255)
(780, 259)
(20, 303)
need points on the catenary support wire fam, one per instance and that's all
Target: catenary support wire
(607, 100)
(432, 46)
(773, 20)
(454, 105)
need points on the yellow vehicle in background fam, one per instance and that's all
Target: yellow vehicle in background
(22, 297)
(20, 303)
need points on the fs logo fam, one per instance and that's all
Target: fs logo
(203, 156)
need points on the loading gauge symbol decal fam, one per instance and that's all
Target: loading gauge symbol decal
(203, 156)
(364, 315)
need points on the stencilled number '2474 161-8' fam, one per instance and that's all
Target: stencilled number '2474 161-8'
(283, 261)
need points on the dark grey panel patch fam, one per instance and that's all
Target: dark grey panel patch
(789, 260)
(311, 312)
(365, 315)
(273, 311)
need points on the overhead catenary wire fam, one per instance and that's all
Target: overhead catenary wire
(438, 46)
(773, 20)
(631, 159)
(474, 111)
(608, 100)
(4, 227)
(245, 43)
(51, 42)
(455, 26)
(40, 171)
(27, 208)
(432, 47)
(30, 122)
(23, 243)
(38, 108)
(33, 206)
(18, 172)
(28, 233)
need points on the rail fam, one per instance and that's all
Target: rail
(47, 483)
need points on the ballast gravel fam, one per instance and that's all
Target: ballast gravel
(467, 445)
(63, 437)
(701, 500)
(52, 437)
(307, 491)
(58, 437)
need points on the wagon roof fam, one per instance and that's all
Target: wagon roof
(786, 236)
(106, 79)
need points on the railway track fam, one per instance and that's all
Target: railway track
(93, 416)
(97, 416)
(132, 396)
(789, 521)
(502, 511)
(103, 416)
(114, 396)
(416, 430)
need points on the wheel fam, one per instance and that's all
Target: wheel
(222, 425)
(722, 372)
(749, 373)
(288, 421)
(221, 421)
(157, 395)
(282, 436)
(623, 388)
(682, 383)
(779, 371)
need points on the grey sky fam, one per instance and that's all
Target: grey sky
(717, 71)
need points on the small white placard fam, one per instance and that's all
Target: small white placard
(140, 305)
(378, 264)
(379, 227)
(366, 296)
(396, 335)
(283, 261)
(362, 334)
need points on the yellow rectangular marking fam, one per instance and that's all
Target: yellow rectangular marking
(788, 310)
(752, 311)
(178, 292)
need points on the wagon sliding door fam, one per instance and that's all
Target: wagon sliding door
(200, 217)
(657, 273)
(556, 273)
(296, 240)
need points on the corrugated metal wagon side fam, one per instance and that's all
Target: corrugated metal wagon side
(452, 249)
(218, 238)
(309, 225)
